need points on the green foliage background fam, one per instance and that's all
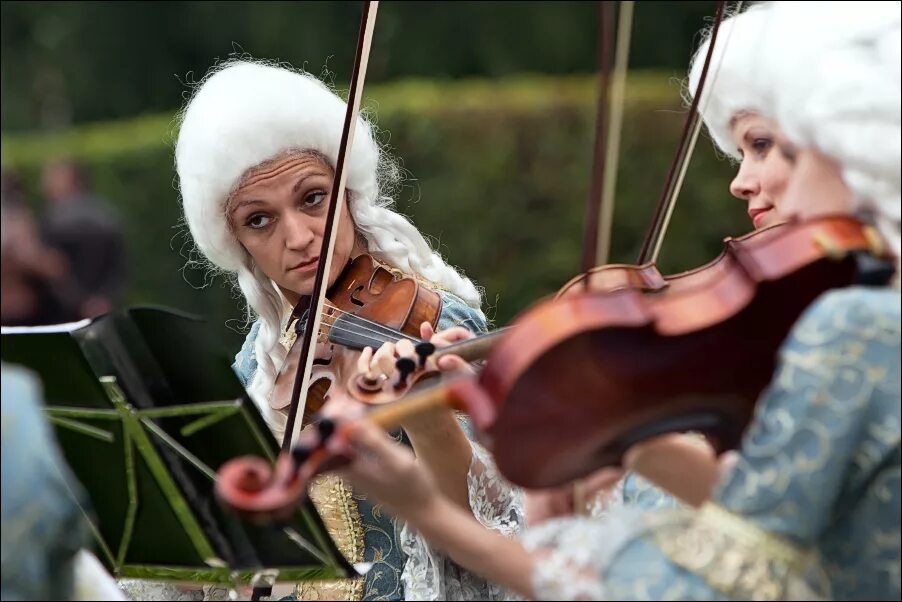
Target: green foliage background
(498, 174)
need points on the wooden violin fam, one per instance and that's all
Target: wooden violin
(367, 306)
(625, 356)
(585, 377)
(574, 382)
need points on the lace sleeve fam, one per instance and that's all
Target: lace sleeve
(496, 504)
(138, 589)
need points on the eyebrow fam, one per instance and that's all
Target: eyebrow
(294, 189)
(750, 136)
(304, 178)
(242, 203)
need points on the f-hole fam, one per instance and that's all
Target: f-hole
(353, 297)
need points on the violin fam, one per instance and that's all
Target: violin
(367, 306)
(584, 377)
(261, 493)
(626, 356)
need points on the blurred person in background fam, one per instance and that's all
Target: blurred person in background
(34, 278)
(87, 231)
(45, 527)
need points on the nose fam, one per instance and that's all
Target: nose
(298, 233)
(746, 185)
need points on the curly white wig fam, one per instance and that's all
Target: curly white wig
(836, 88)
(245, 113)
(737, 81)
(829, 76)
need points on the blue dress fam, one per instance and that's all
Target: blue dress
(43, 523)
(382, 545)
(812, 507)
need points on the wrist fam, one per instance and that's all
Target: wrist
(425, 511)
(428, 423)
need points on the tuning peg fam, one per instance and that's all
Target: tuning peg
(424, 350)
(326, 428)
(369, 382)
(405, 367)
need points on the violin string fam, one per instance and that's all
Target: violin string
(380, 336)
(397, 336)
(360, 327)
(387, 333)
(377, 340)
(376, 326)
(390, 335)
(384, 335)
(374, 342)
(363, 325)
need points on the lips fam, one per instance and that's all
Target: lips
(759, 215)
(305, 266)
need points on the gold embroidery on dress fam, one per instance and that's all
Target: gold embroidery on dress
(733, 555)
(335, 502)
(289, 335)
(341, 515)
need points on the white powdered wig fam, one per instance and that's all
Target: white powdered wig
(738, 80)
(837, 88)
(245, 113)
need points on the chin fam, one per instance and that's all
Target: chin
(298, 286)
(771, 221)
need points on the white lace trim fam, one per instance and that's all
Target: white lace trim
(497, 505)
(573, 551)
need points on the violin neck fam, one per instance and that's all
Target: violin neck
(391, 415)
(473, 349)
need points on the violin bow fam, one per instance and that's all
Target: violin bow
(606, 149)
(317, 297)
(654, 238)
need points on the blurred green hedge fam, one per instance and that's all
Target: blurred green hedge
(498, 173)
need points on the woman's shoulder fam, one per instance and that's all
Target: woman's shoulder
(868, 315)
(844, 332)
(456, 312)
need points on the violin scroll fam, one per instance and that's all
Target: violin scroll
(250, 486)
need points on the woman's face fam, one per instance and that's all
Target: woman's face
(278, 214)
(764, 172)
(816, 186)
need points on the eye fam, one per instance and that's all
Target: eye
(762, 145)
(257, 221)
(314, 198)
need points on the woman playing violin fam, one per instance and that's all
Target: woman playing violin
(812, 506)
(255, 158)
(732, 111)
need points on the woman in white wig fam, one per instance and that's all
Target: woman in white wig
(731, 108)
(255, 157)
(812, 506)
